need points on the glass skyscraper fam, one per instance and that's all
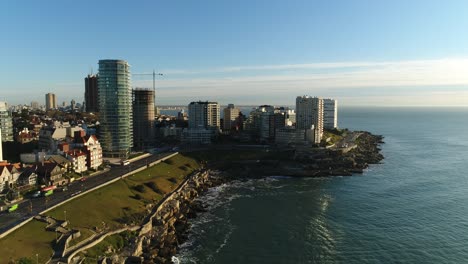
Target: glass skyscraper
(115, 106)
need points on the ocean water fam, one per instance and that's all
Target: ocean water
(412, 208)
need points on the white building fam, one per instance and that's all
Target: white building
(292, 136)
(309, 112)
(49, 137)
(92, 148)
(78, 160)
(330, 113)
(204, 123)
(6, 123)
(204, 115)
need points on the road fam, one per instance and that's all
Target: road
(32, 207)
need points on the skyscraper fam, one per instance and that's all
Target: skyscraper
(1, 146)
(91, 93)
(309, 112)
(34, 105)
(204, 115)
(143, 117)
(6, 123)
(72, 104)
(330, 113)
(51, 101)
(230, 114)
(115, 107)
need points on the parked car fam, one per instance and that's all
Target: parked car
(36, 194)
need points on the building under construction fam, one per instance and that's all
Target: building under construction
(143, 118)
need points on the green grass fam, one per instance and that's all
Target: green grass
(111, 207)
(115, 204)
(116, 242)
(85, 233)
(26, 242)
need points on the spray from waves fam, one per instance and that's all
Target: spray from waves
(214, 225)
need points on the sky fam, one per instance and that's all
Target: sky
(246, 52)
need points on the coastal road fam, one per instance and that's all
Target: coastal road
(32, 207)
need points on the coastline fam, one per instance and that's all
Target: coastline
(167, 226)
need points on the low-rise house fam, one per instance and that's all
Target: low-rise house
(28, 178)
(60, 160)
(9, 174)
(51, 173)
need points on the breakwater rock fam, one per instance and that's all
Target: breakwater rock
(166, 228)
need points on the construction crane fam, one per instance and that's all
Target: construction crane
(154, 81)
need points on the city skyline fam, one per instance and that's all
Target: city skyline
(360, 52)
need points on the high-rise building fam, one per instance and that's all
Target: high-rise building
(34, 105)
(330, 113)
(143, 118)
(115, 108)
(204, 115)
(73, 104)
(51, 101)
(91, 93)
(1, 146)
(309, 112)
(230, 114)
(6, 123)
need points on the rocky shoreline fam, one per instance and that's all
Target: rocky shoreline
(166, 228)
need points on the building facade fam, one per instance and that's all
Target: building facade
(204, 115)
(6, 123)
(91, 93)
(230, 116)
(309, 112)
(330, 113)
(143, 118)
(51, 101)
(115, 108)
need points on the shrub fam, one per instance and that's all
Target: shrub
(183, 168)
(137, 197)
(153, 186)
(25, 261)
(173, 180)
(140, 188)
(170, 162)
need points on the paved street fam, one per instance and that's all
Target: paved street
(8, 220)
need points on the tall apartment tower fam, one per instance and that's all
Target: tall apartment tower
(6, 123)
(72, 104)
(204, 115)
(91, 93)
(34, 105)
(230, 114)
(115, 108)
(309, 112)
(51, 101)
(143, 118)
(330, 113)
(1, 146)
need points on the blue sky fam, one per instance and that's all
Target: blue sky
(246, 52)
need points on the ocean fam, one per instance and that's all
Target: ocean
(412, 208)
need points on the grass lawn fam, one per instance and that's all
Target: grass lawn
(26, 242)
(117, 204)
(110, 207)
(116, 242)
